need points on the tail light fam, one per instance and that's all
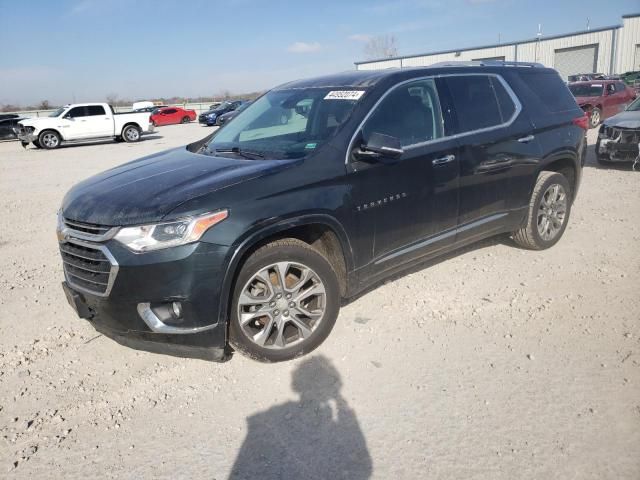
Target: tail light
(582, 122)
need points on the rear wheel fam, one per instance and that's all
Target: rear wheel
(185, 120)
(595, 117)
(131, 133)
(549, 211)
(49, 139)
(285, 302)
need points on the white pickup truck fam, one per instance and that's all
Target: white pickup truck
(83, 121)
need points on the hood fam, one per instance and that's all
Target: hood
(31, 122)
(624, 120)
(148, 189)
(585, 100)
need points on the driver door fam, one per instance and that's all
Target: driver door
(409, 206)
(74, 124)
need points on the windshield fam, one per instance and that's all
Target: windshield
(635, 106)
(287, 123)
(586, 90)
(58, 112)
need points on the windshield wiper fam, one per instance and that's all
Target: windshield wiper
(243, 153)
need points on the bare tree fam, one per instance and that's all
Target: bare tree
(44, 105)
(112, 99)
(382, 46)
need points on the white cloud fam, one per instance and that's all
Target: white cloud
(304, 47)
(360, 37)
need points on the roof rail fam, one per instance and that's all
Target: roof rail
(488, 63)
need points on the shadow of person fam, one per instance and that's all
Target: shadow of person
(317, 437)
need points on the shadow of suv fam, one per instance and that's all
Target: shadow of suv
(251, 238)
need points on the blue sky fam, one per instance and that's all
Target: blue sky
(87, 49)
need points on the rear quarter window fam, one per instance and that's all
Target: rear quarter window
(550, 90)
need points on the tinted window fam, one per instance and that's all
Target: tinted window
(411, 113)
(587, 89)
(619, 87)
(95, 110)
(505, 102)
(550, 90)
(76, 112)
(169, 111)
(476, 102)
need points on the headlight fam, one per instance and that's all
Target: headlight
(171, 234)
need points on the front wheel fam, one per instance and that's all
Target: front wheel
(49, 139)
(185, 120)
(285, 302)
(549, 210)
(131, 134)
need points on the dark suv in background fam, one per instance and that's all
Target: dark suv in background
(251, 238)
(209, 117)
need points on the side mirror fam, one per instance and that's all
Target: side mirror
(380, 148)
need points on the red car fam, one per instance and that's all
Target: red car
(171, 115)
(602, 99)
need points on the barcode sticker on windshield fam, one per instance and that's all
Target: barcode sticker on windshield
(344, 95)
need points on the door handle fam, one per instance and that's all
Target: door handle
(443, 160)
(526, 139)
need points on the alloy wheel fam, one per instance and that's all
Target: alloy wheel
(50, 140)
(132, 134)
(552, 212)
(281, 305)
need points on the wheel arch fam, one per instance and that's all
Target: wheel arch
(49, 129)
(565, 163)
(321, 231)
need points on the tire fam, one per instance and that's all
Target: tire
(292, 333)
(595, 117)
(185, 120)
(119, 139)
(131, 134)
(49, 139)
(545, 205)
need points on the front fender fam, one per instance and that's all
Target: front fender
(263, 231)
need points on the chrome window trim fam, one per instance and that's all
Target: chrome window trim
(113, 272)
(65, 230)
(510, 92)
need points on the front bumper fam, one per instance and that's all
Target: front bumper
(209, 121)
(618, 144)
(189, 274)
(25, 135)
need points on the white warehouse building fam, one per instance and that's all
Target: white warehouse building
(608, 50)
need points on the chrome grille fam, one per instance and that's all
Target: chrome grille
(89, 268)
(90, 228)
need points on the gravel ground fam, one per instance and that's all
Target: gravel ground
(494, 363)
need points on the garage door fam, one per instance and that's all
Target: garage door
(569, 61)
